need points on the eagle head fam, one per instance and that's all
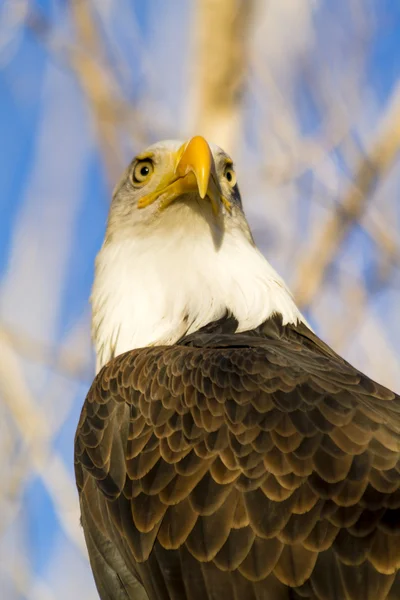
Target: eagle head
(178, 253)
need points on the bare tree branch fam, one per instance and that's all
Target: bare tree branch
(222, 29)
(313, 267)
(89, 66)
(35, 432)
(67, 362)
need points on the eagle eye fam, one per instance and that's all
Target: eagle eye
(230, 175)
(142, 171)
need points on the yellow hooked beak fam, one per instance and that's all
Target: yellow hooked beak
(194, 172)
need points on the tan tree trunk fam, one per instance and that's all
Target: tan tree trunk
(221, 30)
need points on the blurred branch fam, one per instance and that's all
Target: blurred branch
(13, 14)
(35, 432)
(313, 267)
(27, 584)
(381, 232)
(70, 364)
(98, 89)
(106, 92)
(355, 316)
(293, 62)
(221, 29)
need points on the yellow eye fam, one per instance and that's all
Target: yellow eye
(142, 171)
(230, 175)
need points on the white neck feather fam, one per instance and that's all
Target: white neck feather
(153, 289)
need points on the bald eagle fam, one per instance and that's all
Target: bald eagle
(223, 450)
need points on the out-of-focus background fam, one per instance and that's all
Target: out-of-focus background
(305, 94)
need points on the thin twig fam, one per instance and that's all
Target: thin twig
(89, 66)
(313, 267)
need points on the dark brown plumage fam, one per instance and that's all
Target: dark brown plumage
(250, 466)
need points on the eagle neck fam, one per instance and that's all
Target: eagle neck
(147, 293)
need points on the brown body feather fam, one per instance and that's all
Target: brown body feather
(251, 466)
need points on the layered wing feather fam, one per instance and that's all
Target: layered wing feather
(242, 466)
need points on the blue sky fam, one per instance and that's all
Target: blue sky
(55, 195)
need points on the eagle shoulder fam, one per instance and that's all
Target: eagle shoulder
(262, 455)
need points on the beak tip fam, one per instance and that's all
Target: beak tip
(196, 157)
